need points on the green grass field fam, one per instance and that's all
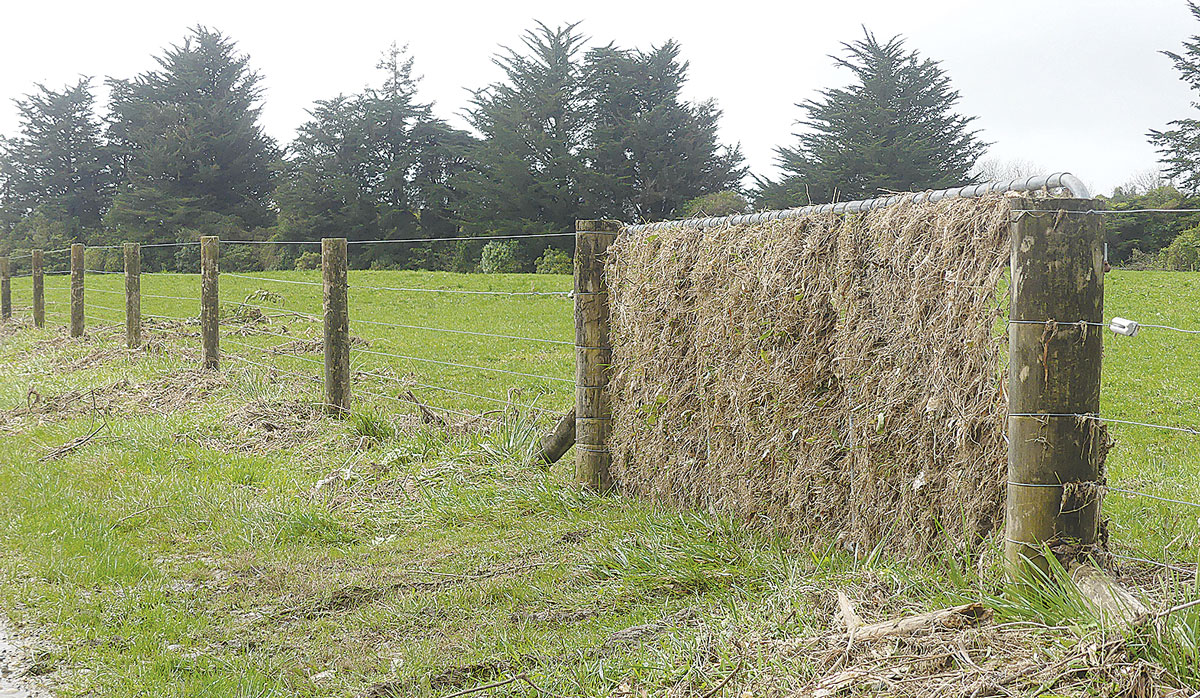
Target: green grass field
(219, 536)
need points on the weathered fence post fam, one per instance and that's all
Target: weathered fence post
(39, 288)
(593, 354)
(133, 294)
(1054, 369)
(77, 290)
(5, 289)
(337, 326)
(210, 311)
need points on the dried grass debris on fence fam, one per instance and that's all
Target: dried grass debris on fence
(836, 377)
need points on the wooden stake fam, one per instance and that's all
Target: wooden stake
(5, 289)
(39, 288)
(77, 290)
(210, 311)
(133, 294)
(1054, 369)
(337, 326)
(557, 441)
(593, 354)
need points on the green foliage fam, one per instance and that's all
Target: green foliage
(308, 260)
(58, 169)
(194, 154)
(534, 126)
(893, 129)
(554, 261)
(1179, 145)
(1139, 234)
(649, 151)
(1183, 254)
(718, 203)
(374, 165)
(500, 257)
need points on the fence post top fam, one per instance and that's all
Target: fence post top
(598, 226)
(131, 245)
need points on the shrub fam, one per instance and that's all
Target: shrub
(718, 203)
(553, 261)
(308, 260)
(500, 257)
(1183, 254)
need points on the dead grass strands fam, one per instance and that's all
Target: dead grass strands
(836, 377)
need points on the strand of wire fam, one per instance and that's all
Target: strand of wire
(155, 244)
(1110, 212)
(453, 290)
(239, 357)
(269, 350)
(465, 332)
(280, 310)
(444, 389)
(410, 403)
(1154, 562)
(1099, 324)
(380, 376)
(267, 278)
(462, 238)
(468, 366)
(1098, 418)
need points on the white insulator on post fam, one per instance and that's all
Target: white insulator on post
(1120, 325)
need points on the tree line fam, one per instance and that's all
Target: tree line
(568, 132)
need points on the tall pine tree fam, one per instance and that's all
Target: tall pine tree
(534, 126)
(1179, 145)
(194, 155)
(650, 152)
(57, 173)
(893, 129)
(375, 165)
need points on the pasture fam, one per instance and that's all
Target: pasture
(217, 534)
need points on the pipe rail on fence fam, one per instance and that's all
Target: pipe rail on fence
(1069, 229)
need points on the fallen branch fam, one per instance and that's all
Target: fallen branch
(139, 512)
(955, 617)
(721, 686)
(71, 445)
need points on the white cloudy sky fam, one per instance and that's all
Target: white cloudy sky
(1067, 84)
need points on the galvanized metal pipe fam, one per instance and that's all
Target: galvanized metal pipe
(1058, 180)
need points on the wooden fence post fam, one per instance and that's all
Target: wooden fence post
(5, 289)
(337, 326)
(1054, 369)
(77, 290)
(593, 354)
(39, 288)
(210, 311)
(133, 294)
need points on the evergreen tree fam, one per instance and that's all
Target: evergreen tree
(892, 129)
(376, 165)
(188, 137)
(651, 152)
(1179, 146)
(534, 126)
(58, 170)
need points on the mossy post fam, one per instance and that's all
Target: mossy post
(133, 294)
(77, 290)
(593, 354)
(337, 326)
(1054, 369)
(5, 289)
(39, 288)
(210, 310)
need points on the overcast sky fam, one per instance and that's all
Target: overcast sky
(1066, 84)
